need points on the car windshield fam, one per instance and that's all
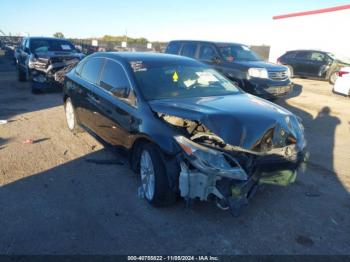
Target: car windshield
(238, 53)
(45, 45)
(181, 81)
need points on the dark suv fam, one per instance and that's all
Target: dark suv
(45, 60)
(314, 64)
(240, 64)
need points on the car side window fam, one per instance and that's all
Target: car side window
(302, 55)
(91, 70)
(317, 57)
(290, 55)
(173, 48)
(206, 52)
(189, 49)
(113, 76)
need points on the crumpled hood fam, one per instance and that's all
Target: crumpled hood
(240, 120)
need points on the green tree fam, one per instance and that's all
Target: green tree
(58, 35)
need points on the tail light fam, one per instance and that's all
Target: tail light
(341, 73)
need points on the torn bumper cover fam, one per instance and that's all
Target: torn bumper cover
(205, 172)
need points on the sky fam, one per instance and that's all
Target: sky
(157, 20)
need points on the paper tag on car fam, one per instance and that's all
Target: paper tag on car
(245, 48)
(206, 77)
(66, 47)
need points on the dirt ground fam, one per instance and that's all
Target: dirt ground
(57, 198)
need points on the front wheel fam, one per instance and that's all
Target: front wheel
(22, 76)
(154, 178)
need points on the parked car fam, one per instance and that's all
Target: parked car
(342, 84)
(186, 127)
(240, 64)
(45, 60)
(314, 64)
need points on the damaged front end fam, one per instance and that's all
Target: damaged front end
(213, 166)
(51, 68)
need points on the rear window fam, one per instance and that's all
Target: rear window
(173, 48)
(189, 50)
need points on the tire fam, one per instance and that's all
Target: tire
(332, 78)
(36, 88)
(154, 180)
(71, 118)
(22, 76)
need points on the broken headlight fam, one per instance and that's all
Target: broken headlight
(210, 161)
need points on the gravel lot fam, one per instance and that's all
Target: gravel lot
(56, 199)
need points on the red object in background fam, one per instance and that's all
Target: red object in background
(313, 12)
(28, 141)
(341, 73)
(230, 58)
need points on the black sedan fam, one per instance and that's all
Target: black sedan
(314, 64)
(187, 129)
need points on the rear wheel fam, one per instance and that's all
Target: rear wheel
(71, 116)
(154, 179)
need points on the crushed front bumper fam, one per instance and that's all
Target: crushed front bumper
(53, 73)
(231, 193)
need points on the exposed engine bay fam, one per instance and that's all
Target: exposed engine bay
(231, 173)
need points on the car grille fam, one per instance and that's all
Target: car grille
(278, 75)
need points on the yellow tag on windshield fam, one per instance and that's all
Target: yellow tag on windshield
(175, 77)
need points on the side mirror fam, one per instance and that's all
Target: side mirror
(121, 92)
(216, 60)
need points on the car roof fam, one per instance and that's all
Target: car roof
(306, 50)
(207, 42)
(45, 38)
(145, 57)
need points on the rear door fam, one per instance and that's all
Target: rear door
(115, 115)
(301, 63)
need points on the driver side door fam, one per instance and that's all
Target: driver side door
(116, 107)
